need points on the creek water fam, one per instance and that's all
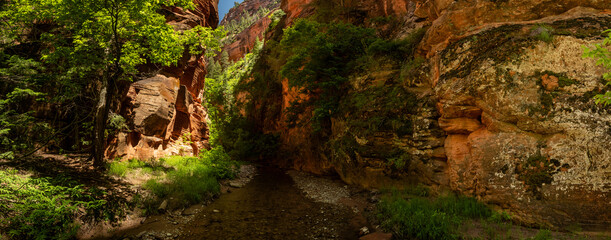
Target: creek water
(270, 207)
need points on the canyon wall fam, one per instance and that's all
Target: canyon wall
(497, 105)
(502, 106)
(164, 112)
(243, 42)
(523, 130)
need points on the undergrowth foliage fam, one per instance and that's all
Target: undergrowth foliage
(334, 67)
(181, 180)
(420, 217)
(43, 208)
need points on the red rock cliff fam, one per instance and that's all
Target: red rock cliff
(502, 115)
(243, 42)
(248, 6)
(164, 112)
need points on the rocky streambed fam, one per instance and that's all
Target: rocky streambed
(274, 204)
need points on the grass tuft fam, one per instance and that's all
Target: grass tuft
(543, 234)
(424, 218)
(182, 180)
(118, 169)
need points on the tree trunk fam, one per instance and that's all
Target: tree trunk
(113, 73)
(101, 117)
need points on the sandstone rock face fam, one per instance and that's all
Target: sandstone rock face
(298, 140)
(204, 14)
(243, 42)
(504, 114)
(296, 9)
(153, 102)
(164, 112)
(164, 120)
(452, 20)
(543, 148)
(249, 6)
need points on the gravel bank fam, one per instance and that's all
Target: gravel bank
(320, 189)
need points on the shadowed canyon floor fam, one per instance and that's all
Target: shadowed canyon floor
(271, 206)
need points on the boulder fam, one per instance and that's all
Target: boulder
(153, 100)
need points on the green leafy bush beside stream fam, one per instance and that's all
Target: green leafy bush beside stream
(185, 180)
(420, 217)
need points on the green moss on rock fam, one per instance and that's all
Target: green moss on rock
(505, 43)
(536, 171)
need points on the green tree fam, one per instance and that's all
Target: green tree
(322, 57)
(104, 41)
(603, 57)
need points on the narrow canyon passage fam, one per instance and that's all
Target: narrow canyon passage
(271, 207)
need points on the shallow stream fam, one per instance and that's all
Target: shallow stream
(270, 206)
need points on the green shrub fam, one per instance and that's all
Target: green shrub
(322, 57)
(601, 53)
(399, 50)
(464, 207)
(418, 190)
(275, 17)
(41, 208)
(19, 129)
(187, 185)
(159, 189)
(423, 218)
(118, 168)
(189, 180)
(121, 168)
(229, 129)
(221, 163)
(381, 19)
(543, 33)
(193, 185)
(543, 234)
(416, 218)
(400, 162)
(499, 217)
(409, 70)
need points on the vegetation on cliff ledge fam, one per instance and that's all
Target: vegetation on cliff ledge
(323, 58)
(603, 56)
(331, 66)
